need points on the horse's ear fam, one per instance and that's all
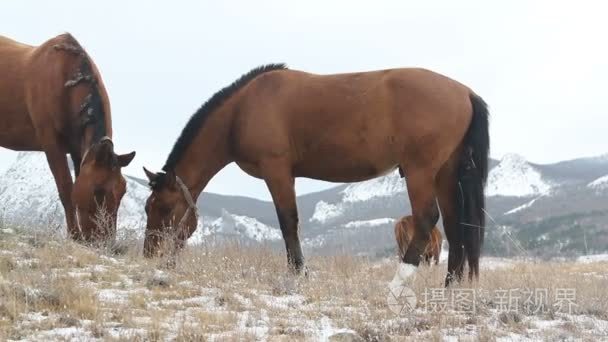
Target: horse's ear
(152, 176)
(125, 159)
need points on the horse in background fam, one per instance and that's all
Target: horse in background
(52, 99)
(404, 233)
(277, 124)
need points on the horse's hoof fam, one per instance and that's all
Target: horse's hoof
(299, 270)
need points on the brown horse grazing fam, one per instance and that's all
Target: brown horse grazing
(404, 233)
(52, 99)
(278, 124)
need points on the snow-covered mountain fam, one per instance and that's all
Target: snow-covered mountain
(235, 226)
(28, 193)
(29, 198)
(514, 176)
(386, 186)
(600, 184)
(543, 205)
(355, 194)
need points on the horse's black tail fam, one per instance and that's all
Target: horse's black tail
(472, 176)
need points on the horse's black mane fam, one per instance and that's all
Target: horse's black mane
(91, 110)
(198, 119)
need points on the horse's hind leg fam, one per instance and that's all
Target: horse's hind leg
(421, 190)
(281, 187)
(447, 192)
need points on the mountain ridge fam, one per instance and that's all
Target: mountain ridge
(523, 198)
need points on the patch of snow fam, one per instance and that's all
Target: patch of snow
(325, 212)
(117, 295)
(326, 329)
(543, 237)
(239, 226)
(492, 263)
(110, 259)
(85, 275)
(65, 334)
(592, 258)
(255, 229)
(257, 327)
(244, 301)
(119, 333)
(513, 176)
(523, 206)
(35, 317)
(599, 184)
(384, 186)
(369, 223)
(200, 301)
(98, 268)
(283, 302)
(316, 242)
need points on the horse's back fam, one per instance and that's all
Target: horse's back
(375, 121)
(16, 128)
(14, 57)
(8, 45)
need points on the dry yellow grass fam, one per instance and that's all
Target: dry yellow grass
(55, 289)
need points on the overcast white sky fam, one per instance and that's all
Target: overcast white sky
(541, 65)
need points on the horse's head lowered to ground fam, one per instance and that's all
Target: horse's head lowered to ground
(172, 213)
(98, 190)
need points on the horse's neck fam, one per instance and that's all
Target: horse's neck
(94, 107)
(208, 153)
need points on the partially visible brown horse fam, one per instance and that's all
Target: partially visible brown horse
(52, 99)
(278, 124)
(404, 233)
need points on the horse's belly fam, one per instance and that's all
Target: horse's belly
(343, 170)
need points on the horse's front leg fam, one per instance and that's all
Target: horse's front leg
(280, 182)
(58, 164)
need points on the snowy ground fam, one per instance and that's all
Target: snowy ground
(52, 289)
